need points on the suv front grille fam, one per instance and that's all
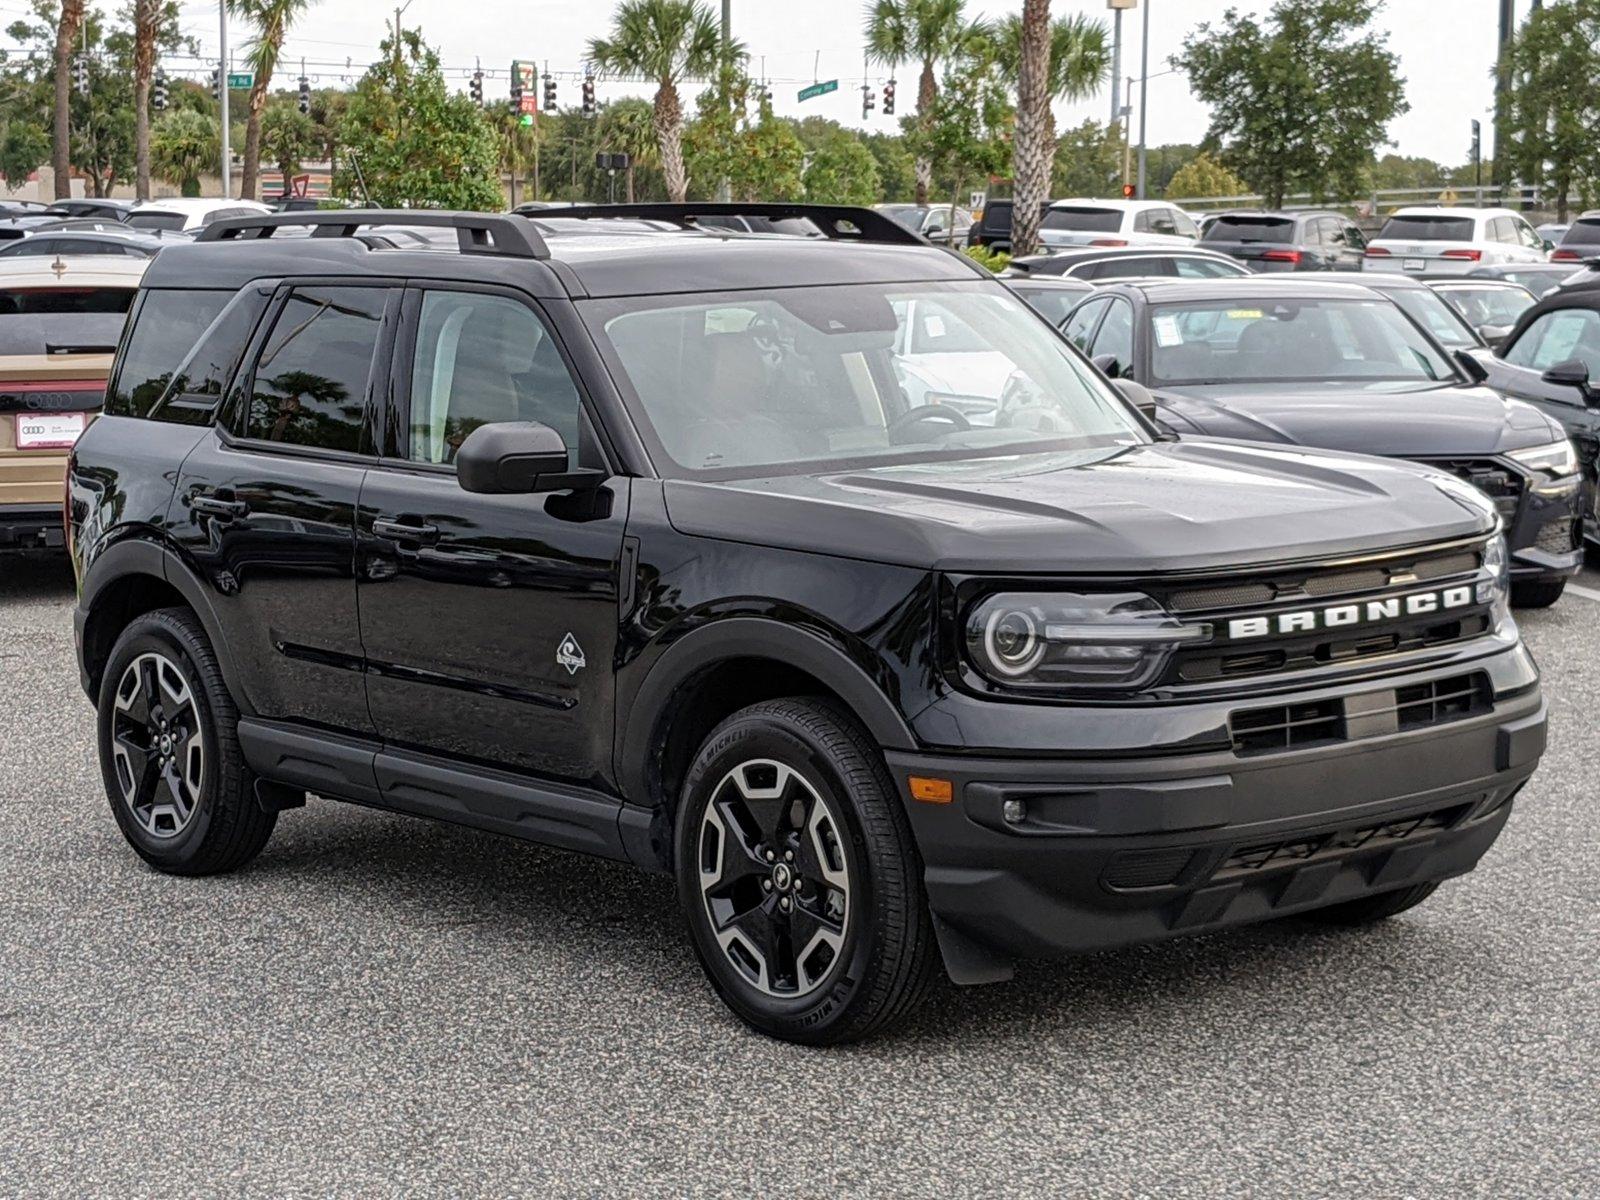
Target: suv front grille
(1296, 852)
(1280, 727)
(1558, 537)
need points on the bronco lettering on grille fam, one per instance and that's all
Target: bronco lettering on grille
(1341, 616)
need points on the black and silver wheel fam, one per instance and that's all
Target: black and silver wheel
(173, 770)
(798, 876)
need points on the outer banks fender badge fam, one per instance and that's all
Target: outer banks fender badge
(570, 655)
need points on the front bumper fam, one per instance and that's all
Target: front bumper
(1113, 851)
(29, 527)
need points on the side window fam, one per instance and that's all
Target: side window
(1200, 268)
(1500, 230)
(1354, 238)
(483, 359)
(1142, 222)
(1184, 224)
(1116, 335)
(1134, 266)
(163, 329)
(310, 384)
(1161, 221)
(197, 388)
(1558, 337)
(1530, 238)
(1081, 324)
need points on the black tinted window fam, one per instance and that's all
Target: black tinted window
(1251, 229)
(310, 383)
(156, 220)
(1583, 233)
(51, 302)
(1428, 229)
(165, 328)
(1088, 220)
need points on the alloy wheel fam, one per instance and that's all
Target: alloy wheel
(158, 745)
(775, 878)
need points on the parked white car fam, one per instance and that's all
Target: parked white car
(183, 214)
(1452, 241)
(1116, 223)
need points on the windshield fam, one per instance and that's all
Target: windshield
(1086, 220)
(1251, 229)
(1053, 304)
(1585, 231)
(738, 384)
(1428, 309)
(1490, 305)
(156, 220)
(1428, 229)
(908, 215)
(1270, 340)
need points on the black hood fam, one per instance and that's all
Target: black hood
(1140, 510)
(1393, 420)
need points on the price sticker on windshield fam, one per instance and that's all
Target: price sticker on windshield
(1245, 314)
(49, 431)
(1168, 332)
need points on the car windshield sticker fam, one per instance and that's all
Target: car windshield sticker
(1245, 314)
(1167, 331)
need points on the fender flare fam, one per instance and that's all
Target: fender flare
(139, 557)
(749, 637)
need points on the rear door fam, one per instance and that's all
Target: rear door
(266, 504)
(489, 622)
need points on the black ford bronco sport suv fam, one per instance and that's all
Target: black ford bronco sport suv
(819, 572)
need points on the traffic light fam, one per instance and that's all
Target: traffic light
(475, 88)
(158, 91)
(869, 101)
(1128, 191)
(516, 89)
(216, 83)
(588, 95)
(549, 93)
(80, 75)
(888, 99)
(305, 95)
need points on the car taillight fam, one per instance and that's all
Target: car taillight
(1288, 256)
(1561, 254)
(1463, 255)
(1377, 252)
(1108, 242)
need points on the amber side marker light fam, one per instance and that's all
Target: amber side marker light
(931, 791)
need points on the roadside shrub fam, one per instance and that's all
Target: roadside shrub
(995, 260)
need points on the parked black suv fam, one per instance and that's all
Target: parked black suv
(819, 572)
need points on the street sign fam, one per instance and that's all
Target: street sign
(527, 75)
(819, 89)
(241, 81)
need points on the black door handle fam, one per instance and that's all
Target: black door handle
(399, 531)
(218, 505)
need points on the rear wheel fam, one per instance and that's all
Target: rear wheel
(1537, 593)
(1373, 908)
(798, 877)
(173, 769)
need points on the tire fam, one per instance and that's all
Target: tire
(200, 815)
(1537, 593)
(1369, 909)
(828, 940)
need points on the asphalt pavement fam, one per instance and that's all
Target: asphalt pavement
(385, 1006)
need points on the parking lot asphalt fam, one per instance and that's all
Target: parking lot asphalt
(386, 1006)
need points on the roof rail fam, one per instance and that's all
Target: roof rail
(479, 233)
(839, 222)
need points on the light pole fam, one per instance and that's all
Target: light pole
(1144, 92)
(222, 96)
(1118, 7)
(724, 187)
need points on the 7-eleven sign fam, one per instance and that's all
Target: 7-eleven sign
(527, 76)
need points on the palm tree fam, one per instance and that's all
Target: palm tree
(272, 20)
(184, 145)
(67, 30)
(628, 126)
(667, 41)
(147, 16)
(921, 31)
(1067, 63)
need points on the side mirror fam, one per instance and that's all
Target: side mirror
(1471, 367)
(1494, 336)
(513, 458)
(1573, 373)
(1107, 365)
(1137, 395)
(1548, 245)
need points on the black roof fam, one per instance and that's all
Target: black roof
(1241, 287)
(555, 254)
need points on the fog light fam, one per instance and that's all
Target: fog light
(1015, 812)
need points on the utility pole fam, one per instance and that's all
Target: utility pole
(724, 188)
(222, 97)
(1144, 93)
(1118, 7)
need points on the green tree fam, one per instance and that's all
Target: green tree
(1554, 111)
(1205, 176)
(24, 148)
(288, 137)
(272, 20)
(897, 169)
(417, 143)
(1301, 100)
(842, 170)
(968, 135)
(760, 156)
(667, 41)
(184, 145)
(1405, 171)
(1070, 60)
(628, 127)
(1088, 160)
(926, 32)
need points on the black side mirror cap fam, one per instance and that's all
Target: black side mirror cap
(515, 458)
(1573, 373)
(1107, 365)
(1471, 367)
(1137, 395)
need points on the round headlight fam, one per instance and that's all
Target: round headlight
(1012, 641)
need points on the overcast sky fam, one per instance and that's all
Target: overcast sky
(1446, 50)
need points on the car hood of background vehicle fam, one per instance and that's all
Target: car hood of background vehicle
(1396, 420)
(1141, 510)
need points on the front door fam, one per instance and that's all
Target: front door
(489, 622)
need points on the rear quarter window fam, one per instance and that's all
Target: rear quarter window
(165, 327)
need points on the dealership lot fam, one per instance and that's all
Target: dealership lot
(385, 1005)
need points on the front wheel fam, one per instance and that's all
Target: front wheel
(798, 876)
(1537, 593)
